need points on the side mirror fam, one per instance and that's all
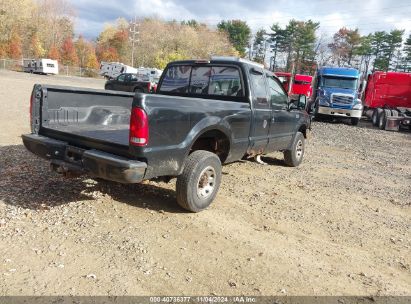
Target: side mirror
(298, 102)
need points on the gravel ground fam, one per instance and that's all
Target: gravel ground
(337, 225)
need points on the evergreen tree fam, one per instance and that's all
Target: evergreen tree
(238, 32)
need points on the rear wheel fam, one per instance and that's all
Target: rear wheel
(108, 87)
(295, 155)
(376, 116)
(198, 185)
(138, 90)
(383, 118)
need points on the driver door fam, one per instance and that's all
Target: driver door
(121, 82)
(283, 120)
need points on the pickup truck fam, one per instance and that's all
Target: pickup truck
(205, 113)
(129, 82)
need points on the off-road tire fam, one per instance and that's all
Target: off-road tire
(190, 184)
(295, 155)
(108, 87)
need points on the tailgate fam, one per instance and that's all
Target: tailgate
(87, 118)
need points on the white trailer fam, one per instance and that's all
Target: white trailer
(41, 66)
(149, 74)
(111, 70)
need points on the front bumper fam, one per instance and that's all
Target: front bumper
(339, 112)
(65, 158)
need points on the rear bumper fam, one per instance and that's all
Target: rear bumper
(66, 158)
(339, 112)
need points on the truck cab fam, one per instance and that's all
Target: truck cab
(335, 94)
(301, 84)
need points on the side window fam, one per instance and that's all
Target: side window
(176, 79)
(260, 92)
(133, 77)
(121, 78)
(277, 95)
(200, 78)
(225, 81)
(128, 78)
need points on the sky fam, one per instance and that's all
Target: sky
(367, 15)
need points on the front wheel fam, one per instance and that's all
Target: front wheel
(198, 185)
(295, 155)
(355, 121)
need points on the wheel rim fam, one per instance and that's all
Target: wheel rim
(206, 183)
(299, 149)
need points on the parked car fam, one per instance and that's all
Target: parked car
(130, 83)
(204, 114)
(387, 100)
(301, 83)
(335, 94)
(41, 66)
(111, 70)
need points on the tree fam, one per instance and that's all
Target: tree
(115, 37)
(344, 45)
(15, 46)
(259, 46)
(36, 48)
(91, 59)
(82, 49)
(364, 50)
(385, 45)
(407, 51)
(54, 53)
(238, 32)
(162, 60)
(107, 54)
(68, 53)
(277, 41)
(296, 44)
(394, 42)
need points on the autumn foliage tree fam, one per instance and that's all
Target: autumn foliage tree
(68, 54)
(36, 48)
(53, 53)
(15, 46)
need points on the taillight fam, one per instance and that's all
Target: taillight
(138, 127)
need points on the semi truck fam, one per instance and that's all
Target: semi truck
(335, 94)
(205, 113)
(301, 84)
(387, 100)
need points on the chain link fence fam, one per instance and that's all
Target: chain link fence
(65, 70)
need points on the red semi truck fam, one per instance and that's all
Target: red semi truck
(387, 100)
(301, 84)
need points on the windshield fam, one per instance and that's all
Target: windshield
(343, 83)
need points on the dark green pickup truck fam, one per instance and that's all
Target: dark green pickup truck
(204, 114)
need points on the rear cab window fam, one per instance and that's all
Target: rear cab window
(205, 81)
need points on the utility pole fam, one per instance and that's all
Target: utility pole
(134, 32)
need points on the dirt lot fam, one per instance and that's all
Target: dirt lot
(337, 225)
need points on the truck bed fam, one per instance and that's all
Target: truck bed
(96, 119)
